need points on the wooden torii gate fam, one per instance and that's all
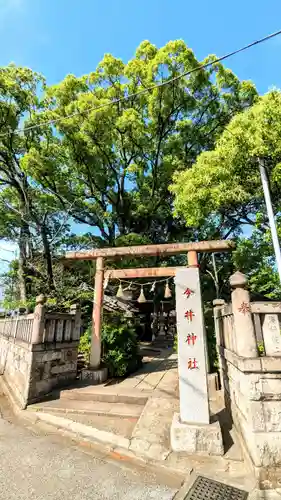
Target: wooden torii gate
(137, 251)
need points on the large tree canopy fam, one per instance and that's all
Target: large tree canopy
(29, 216)
(223, 188)
(225, 182)
(90, 154)
(110, 165)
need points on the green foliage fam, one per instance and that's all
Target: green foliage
(85, 343)
(261, 349)
(120, 346)
(223, 189)
(255, 257)
(29, 215)
(111, 167)
(226, 180)
(120, 351)
(211, 348)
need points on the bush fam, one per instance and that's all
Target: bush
(85, 344)
(120, 347)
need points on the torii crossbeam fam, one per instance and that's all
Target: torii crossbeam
(100, 254)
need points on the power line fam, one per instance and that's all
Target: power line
(152, 87)
(7, 250)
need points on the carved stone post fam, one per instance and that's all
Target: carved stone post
(95, 356)
(271, 335)
(193, 388)
(192, 261)
(76, 311)
(39, 320)
(246, 344)
(191, 430)
(218, 304)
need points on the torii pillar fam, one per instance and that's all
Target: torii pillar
(95, 355)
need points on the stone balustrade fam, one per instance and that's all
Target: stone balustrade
(38, 352)
(249, 352)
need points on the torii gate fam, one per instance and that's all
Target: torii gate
(137, 251)
(191, 428)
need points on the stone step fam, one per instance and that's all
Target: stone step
(72, 406)
(149, 352)
(107, 394)
(106, 423)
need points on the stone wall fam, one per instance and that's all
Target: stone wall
(53, 366)
(47, 359)
(252, 385)
(15, 367)
(253, 395)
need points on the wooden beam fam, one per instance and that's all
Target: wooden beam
(149, 250)
(143, 272)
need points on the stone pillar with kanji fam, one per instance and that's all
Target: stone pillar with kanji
(191, 430)
(245, 338)
(194, 404)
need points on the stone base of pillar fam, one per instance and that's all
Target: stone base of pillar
(196, 438)
(94, 375)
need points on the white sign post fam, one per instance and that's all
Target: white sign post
(191, 431)
(194, 404)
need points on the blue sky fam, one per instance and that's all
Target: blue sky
(57, 37)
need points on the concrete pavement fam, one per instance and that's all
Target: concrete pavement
(75, 457)
(34, 466)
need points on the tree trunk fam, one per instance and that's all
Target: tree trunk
(48, 258)
(22, 265)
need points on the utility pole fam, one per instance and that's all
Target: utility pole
(273, 228)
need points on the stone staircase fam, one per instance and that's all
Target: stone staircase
(116, 406)
(104, 408)
(90, 407)
(136, 423)
(132, 420)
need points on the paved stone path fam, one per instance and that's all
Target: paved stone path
(159, 374)
(34, 466)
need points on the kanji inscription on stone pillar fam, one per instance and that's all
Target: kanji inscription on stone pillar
(271, 335)
(194, 404)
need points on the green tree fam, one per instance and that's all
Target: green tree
(108, 166)
(223, 188)
(29, 216)
(225, 182)
(111, 165)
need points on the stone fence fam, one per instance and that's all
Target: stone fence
(249, 350)
(38, 352)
